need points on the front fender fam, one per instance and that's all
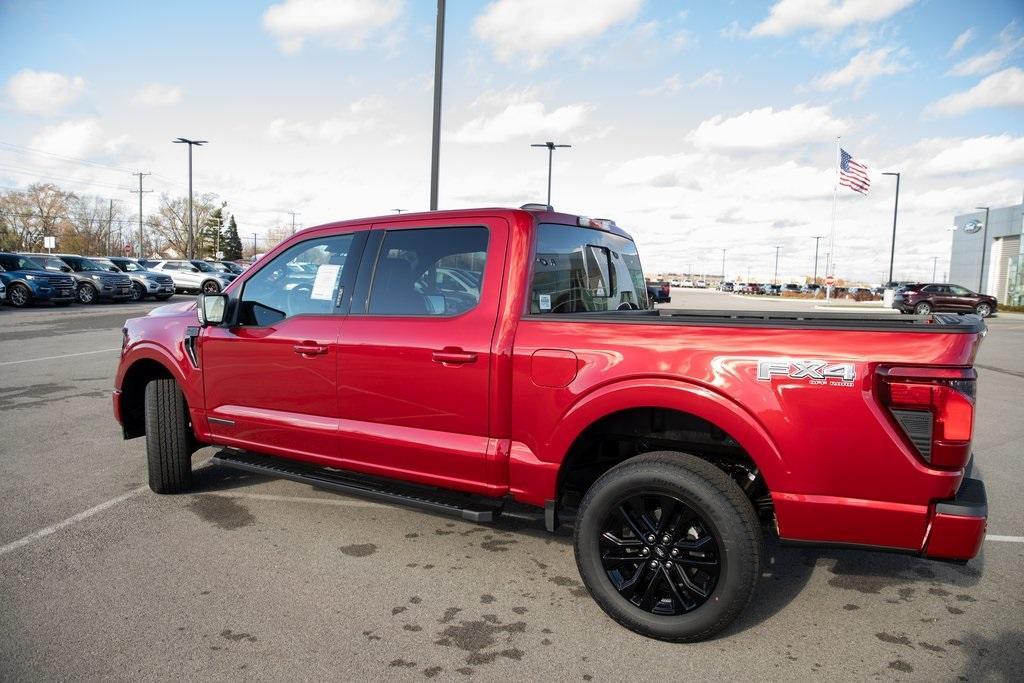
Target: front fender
(175, 361)
(672, 394)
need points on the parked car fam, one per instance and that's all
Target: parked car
(145, 282)
(791, 287)
(687, 283)
(194, 276)
(94, 282)
(925, 298)
(701, 284)
(811, 288)
(676, 439)
(726, 286)
(228, 267)
(26, 281)
(3, 288)
(659, 292)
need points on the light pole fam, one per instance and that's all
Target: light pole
(551, 151)
(984, 249)
(190, 244)
(398, 211)
(435, 142)
(723, 265)
(935, 262)
(895, 208)
(816, 238)
(775, 280)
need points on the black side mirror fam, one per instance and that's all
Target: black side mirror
(211, 309)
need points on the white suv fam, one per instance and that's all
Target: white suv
(196, 275)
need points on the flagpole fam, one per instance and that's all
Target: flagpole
(832, 233)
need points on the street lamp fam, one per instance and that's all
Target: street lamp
(551, 151)
(816, 238)
(435, 141)
(723, 265)
(895, 208)
(190, 245)
(775, 280)
(984, 249)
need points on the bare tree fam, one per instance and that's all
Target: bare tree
(170, 223)
(28, 216)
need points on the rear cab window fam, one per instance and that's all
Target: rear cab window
(582, 270)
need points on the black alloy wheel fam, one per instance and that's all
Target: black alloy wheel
(19, 295)
(211, 287)
(659, 554)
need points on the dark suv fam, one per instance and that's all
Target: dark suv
(922, 299)
(27, 281)
(94, 282)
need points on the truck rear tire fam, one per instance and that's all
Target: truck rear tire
(668, 546)
(168, 438)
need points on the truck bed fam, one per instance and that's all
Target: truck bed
(934, 323)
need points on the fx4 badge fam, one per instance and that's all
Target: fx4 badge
(815, 371)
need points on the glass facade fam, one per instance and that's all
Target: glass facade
(1015, 281)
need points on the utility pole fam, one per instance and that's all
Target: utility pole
(816, 238)
(895, 209)
(110, 222)
(398, 210)
(551, 151)
(190, 243)
(775, 280)
(435, 141)
(935, 262)
(254, 246)
(723, 265)
(140, 192)
(294, 214)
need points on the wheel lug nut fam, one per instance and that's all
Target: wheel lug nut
(668, 565)
(654, 564)
(675, 551)
(651, 538)
(646, 551)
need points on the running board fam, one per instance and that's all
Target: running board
(462, 505)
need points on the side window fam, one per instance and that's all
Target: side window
(433, 271)
(304, 280)
(169, 266)
(931, 289)
(957, 290)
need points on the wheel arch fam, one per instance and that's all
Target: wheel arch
(742, 438)
(148, 363)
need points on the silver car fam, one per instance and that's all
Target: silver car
(145, 282)
(193, 276)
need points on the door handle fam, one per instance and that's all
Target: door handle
(310, 349)
(453, 356)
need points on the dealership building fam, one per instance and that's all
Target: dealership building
(988, 258)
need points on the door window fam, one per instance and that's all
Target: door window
(433, 271)
(306, 279)
(957, 290)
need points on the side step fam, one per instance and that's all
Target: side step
(464, 505)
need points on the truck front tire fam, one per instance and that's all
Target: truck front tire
(168, 438)
(669, 546)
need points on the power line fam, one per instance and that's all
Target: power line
(59, 178)
(19, 148)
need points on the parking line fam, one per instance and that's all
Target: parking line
(74, 519)
(1005, 539)
(66, 355)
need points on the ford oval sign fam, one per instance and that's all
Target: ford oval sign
(972, 226)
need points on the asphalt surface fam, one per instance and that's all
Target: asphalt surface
(256, 578)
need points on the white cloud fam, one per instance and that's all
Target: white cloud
(367, 104)
(677, 170)
(969, 155)
(710, 79)
(532, 29)
(1009, 43)
(346, 24)
(673, 83)
(331, 131)
(789, 16)
(961, 42)
(519, 120)
(1002, 89)
(766, 128)
(80, 138)
(43, 92)
(158, 95)
(863, 67)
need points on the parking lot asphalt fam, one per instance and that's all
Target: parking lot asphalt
(255, 578)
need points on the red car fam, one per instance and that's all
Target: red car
(458, 359)
(922, 299)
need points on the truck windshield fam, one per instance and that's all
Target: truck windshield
(579, 270)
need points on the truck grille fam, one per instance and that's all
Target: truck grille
(163, 279)
(63, 285)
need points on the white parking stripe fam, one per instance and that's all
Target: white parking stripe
(1005, 539)
(66, 355)
(54, 528)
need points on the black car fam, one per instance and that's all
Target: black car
(94, 282)
(659, 293)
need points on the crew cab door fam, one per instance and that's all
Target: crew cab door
(271, 376)
(415, 352)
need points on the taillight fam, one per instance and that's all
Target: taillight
(934, 407)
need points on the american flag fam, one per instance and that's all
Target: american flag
(853, 174)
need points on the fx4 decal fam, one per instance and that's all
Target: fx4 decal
(815, 371)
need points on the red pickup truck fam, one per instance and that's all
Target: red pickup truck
(461, 361)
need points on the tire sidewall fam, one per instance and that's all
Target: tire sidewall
(984, 310)
(84, 288)
(210, 287)
(731, 591)
(138, 292)
(923, 309)
(26, 295)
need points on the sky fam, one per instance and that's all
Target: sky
(696, 126)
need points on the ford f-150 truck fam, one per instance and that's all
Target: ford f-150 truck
(465, 361)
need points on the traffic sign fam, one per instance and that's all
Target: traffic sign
(49, 242)
(128, 249)
(829, 280)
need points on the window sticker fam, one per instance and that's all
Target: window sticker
(545, 302)
(326, 278)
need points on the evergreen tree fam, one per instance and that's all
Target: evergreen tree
(230, 243)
